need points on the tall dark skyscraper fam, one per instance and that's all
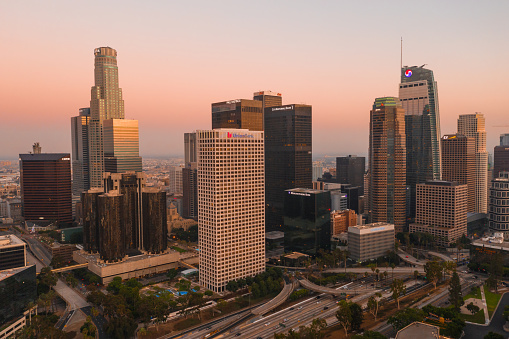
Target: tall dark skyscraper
(419, 98)
(239, 114)
(458, 163)
(80, 153)
(45, 181)
(350, 170)
(387, 187)
(190, 178)
(123, 217)
(288, 162)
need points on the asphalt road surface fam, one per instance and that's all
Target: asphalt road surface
(496, 325)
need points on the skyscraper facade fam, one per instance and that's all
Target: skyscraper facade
(498, 215)
(106, 103)
(458, 163)
(473, 126)
(350, 170)
(239, 113)
(190, 178)
(500, 160)
(288, 162)
(231, 228)
(121, 146)
(387, 163)
(175, 178)
(268, 99)
(124, 217)
(441, 211)
(419, 98)
(80, 153)
(45, 181)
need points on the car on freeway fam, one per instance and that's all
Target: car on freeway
(326, 308)
(291, 308)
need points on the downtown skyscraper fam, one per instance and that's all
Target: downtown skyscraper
(387, 163)
(288, 161)
(473, 126)
(106, 103)
(80, 154)
(231, 219)
(418, 95)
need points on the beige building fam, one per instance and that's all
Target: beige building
(370, 241)
(441, 211)
(105, 103)
(473, 126)
(176, 221)
(341, 220)
(175, 179)
(231, 205)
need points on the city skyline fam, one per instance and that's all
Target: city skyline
(336, 72)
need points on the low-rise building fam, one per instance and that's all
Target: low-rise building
(341, 220)
(370, 241)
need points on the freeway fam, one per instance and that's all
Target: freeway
(38, 249)
(408, 258)
(408, 270)
(441, 256)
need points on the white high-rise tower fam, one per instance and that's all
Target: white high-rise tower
(231, 205)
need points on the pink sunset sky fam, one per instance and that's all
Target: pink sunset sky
(177, 57)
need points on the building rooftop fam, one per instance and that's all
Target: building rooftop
(368, 228)
(441, 183)
(10, 240)
(418, 330)
(296, 255)
(44, 156)
(10, 272)
(303, 191)
(274, 235)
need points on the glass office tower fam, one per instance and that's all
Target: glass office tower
(419, 98)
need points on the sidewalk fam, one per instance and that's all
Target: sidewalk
(486, 314)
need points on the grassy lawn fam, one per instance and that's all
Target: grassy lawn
(476, 318)
(178, 249)
(476, 293)
(491, 300)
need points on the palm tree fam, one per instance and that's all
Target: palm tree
(393, 266)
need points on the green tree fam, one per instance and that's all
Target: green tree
(416, 275)
(455, 295)
(344, 315)
(209, 293)
(398, 289)
(115, 285)
(357, 316)
(433, 270)
(493, 335)
(172, 273)
(369, 335)
(473, 308)
(374, 304)
(405, 317)
(232, 286)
